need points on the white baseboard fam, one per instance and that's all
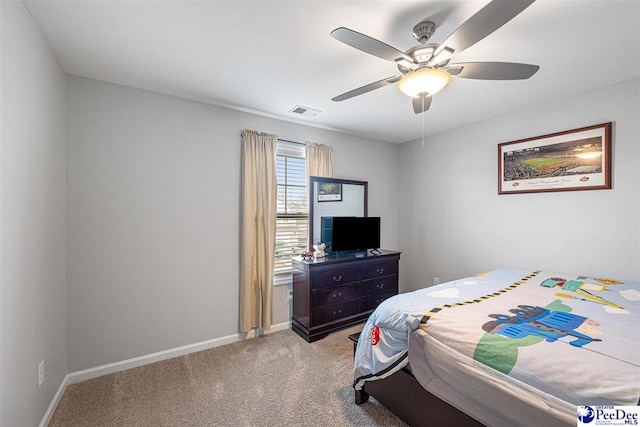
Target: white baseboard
(87, 374)
(54, 402)
(78, 376)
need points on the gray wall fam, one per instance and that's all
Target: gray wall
(32, 220)
(153, 214)
(453, 222)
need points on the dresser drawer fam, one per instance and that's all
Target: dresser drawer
(335, 295)
(335, 312)
(379, 286)
(334, 277)
(372, 301)
(379, 269)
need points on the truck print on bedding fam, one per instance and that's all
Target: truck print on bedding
(548, 324)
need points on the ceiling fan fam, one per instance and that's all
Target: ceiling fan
(426, 69)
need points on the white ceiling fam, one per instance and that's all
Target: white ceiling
(268, 56)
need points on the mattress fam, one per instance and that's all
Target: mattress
(511, 346)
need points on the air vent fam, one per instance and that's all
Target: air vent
(304, 111)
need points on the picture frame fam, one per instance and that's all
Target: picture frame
(329, 192)
(578, 159)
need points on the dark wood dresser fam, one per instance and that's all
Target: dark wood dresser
(339, 291)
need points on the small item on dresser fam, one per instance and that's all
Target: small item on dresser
(307, 255)
(319, 250)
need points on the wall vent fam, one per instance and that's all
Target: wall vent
(304, 111)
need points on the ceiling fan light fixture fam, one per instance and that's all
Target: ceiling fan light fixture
(423, 82)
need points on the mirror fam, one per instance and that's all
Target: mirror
(334, 197)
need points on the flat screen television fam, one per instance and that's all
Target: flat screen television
(355, 233)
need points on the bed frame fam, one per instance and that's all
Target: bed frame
(402, 394)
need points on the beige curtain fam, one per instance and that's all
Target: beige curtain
(319, 160)
(258, 229)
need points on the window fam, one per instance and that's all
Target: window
(292, 223)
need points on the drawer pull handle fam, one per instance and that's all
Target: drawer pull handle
(380, 270)
(380, 285)
(339, 311)
(337, 279)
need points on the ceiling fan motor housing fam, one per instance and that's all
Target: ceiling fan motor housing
(421, 53)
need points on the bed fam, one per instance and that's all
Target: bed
(506, 347)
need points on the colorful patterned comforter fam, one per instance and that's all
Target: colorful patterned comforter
(574, 337)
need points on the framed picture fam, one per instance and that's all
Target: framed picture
(578, 159)
(329, 192)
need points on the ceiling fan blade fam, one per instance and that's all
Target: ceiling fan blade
(492, 70)
(369, 45)
(488, 19)
(417, 104)
(367, 88)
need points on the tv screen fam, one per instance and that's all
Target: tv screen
(355, 233)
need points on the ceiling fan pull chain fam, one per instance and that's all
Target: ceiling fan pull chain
(422, 120)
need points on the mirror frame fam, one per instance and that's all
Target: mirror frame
(313, 180)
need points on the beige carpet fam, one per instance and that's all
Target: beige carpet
(275, 380)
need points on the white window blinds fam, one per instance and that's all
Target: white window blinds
(292, 209)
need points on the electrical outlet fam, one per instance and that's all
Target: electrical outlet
(436, 281)
(40, 373)
(290, 295)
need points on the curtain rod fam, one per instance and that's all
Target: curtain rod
(291, 142)
(286, 140)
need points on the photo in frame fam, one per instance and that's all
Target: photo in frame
(329, 192)
(578, 159)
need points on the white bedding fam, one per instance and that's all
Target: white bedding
(539, 369)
